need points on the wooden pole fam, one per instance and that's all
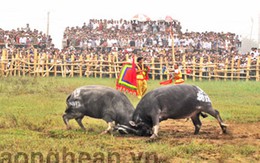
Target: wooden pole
(11, 69)
(101, 66)
(173, 50)
(257, 68)
(167, 66)
(88, 66)
(226, 69)
(238, 69)
(29, 64)
(193, 68)
(232, 69)
(43, 64)
(47, 66)
(184, 66)
(23, 67)
(109, 65)
(161, 75)
(216, 70)
(95, 60)
(200, 68)
(152, 67)
(55, 65)
(209, 69)
(64, 72)
(16, 64)
(35, 61)
(80, 65)
(72, 65)
(3, 60)
(248, 65)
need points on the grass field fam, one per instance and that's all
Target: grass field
(31, 126)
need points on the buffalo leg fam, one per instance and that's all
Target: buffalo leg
(109, 128)
(216, 115)
(197, 123)
(79, 120)
(68, 116)
(66, 119)
(155, 127)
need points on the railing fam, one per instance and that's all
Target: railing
(41, 65)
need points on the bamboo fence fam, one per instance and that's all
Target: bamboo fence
(109, 67)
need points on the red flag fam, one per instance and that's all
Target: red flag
(133, 76)
(166, 82)
(126, 81)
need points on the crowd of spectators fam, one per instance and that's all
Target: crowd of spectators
(149, 39)
(23, 39)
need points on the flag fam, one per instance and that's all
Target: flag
(126, 81)
(166, 82)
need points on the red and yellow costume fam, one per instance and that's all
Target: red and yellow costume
(178, 77)
(141, 77)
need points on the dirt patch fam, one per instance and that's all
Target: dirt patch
(209, 130)
(238, 138)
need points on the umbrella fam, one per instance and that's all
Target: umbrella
(168, 19)
(141, 18)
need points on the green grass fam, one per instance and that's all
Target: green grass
(30, 121)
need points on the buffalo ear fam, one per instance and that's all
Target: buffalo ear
(132, 123)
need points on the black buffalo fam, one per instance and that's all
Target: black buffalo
(99, 102)
(173, 102)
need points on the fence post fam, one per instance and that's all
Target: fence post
(11, 66)
(216, 70)
(257, 68)
(248, 68)
(238, 69)
(101, 66)
(88, 66)
(23, 63)
(47, 65)
(72, 65)
(226, 69)
(160, 71)
(3, 60)
(55, 65)
(200, 68)
(109, 65)
(193, 68)
(15, 64)
(43, 64)
(209, 68)
(184, 66)
(35, 61)
(95, 61)
(152, 66)
(167, 67)
(64, 72)
(80, 65)
(232, 69)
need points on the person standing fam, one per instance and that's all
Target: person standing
(141, 77)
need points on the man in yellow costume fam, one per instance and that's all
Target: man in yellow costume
(141, 77)
(177, 75)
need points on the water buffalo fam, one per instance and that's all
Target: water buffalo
(100, 102)
(173, 102)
